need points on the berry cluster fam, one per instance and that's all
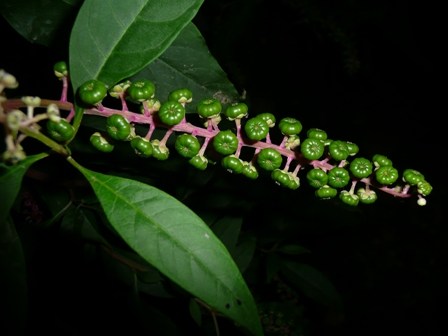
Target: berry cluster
(330, 171)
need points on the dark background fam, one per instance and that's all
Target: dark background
(364, 71)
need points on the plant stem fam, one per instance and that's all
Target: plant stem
(45, 140)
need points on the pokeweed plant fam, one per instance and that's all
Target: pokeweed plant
(108, 58)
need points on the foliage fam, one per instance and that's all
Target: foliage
(144, 237)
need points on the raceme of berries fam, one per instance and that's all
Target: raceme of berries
(327, 163)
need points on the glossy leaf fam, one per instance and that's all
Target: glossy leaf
(244, 253)
(58, 201)
(13, 283)
(227, 229)
(54, 196)
(117, 265)
(11, 180)
(187, 63)
(195, 311)
(46, 22)
(112, 40)
(312, 283)
(177, 242)
(76, 223)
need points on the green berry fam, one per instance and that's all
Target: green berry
(236, 111)
(338, 177)
(232, 164)
(269, 118)
(386, 175)
(60, 131)
(249, 171)
(141, 90)
(269, 159)
(60, 69)
(353, 149)
(181, 96)
(171, 113)
(381, 160)
(326, 192)
(92, 92)
(339, 150)
(102, 143)
(366, 197)
(142, 147)
(209, 108)
(312, 149)
(327, 142)
(316, 133)
(290, 126)
(281, 177)
(160, 152)
(118, 127)
(199, 162)
(349, 199)
(317, 178)
(256, 128)
(225, 142)
(361, 167)
(187, 145)
(424, 188)
(413, 177)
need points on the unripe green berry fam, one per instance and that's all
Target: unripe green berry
(199, 162)
(60, 69)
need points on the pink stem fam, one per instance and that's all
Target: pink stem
(288, 162)
(352, 189)
(166, 136)
(70, 115)
(123, 101)
(204, 146)
(64, 89)
(285, 138)
(296, 170)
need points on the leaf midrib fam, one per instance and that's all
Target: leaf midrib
(104, 185)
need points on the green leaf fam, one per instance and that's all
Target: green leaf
(293, 249)
(117, 265)
(112, 40)
(13, 283)
(54, 196)
(312, 283)
(244, 252)
(227, 229)
(76, 223)
(46, 22)
(177, 242)
(187, 63)
(195, 311)
(11, 180)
